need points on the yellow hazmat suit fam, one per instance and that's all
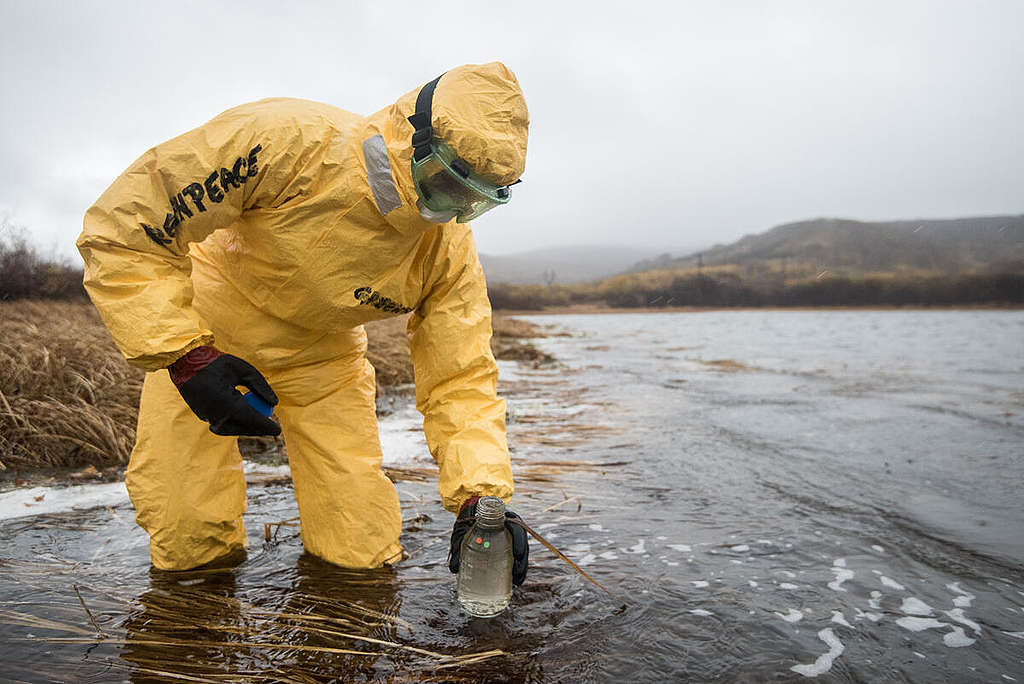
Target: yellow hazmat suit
(273, 232)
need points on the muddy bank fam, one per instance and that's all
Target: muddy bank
(69, 402)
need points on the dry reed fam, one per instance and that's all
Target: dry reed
(66, 395)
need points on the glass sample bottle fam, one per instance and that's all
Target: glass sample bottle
(485, 565)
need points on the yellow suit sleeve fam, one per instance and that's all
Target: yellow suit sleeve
(136, 237)
(457, 378)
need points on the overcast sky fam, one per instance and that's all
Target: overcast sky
(667, 125)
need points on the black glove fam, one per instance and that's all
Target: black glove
(520, 540)
(206, 380)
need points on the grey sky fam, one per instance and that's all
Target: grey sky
(671, 125)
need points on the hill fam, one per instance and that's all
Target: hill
(824, 262)
(566, 264)
(845, 247)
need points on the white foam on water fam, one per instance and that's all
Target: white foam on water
(635, 548)
(701, 612)
(579, 548)
(662, 538)
(765, 541)
(547, 526)
(786, 573)
(700, 584)
(19, 503)
(752, 583)
(586, 560)
(876, 547)
(841, 573)
(1018, 635)
(596, 527)
(609, 555)
(914, 606)
(787, 585)
(919, 624)
(873, 602)
(739, 547)
(792, 616)
(824, 662)
(891, 583)
(957, 615)
(682, 548)
(736, 562)
(1009, 678)
(840, 619)
(922, 656)
(671, 563)
(957, 638)
(963, 598)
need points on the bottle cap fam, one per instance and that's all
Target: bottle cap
(490, 511)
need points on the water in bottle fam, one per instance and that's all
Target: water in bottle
(485, 564)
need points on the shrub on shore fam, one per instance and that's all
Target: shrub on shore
(24, 273)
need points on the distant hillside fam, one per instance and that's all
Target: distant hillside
(562, 265)
(977, 245)
(825, 262)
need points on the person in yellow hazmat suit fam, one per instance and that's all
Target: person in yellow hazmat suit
(249, 252)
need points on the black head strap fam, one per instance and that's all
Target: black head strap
(421, 120)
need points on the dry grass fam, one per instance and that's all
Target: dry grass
(66, 395)
(388, 351)
(68, 399)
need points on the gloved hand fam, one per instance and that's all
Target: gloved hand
(520, 540)
(206, 380)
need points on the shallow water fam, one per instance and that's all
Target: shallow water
(775, 495)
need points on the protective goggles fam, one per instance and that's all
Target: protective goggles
(444, 182)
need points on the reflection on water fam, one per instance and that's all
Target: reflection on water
(187, 618)
(778, 496)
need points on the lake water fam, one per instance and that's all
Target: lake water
(774, 496)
